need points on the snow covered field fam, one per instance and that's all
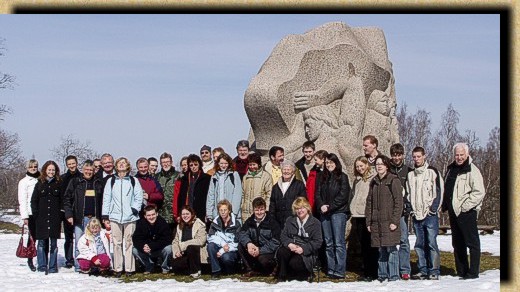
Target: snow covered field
(15, 276)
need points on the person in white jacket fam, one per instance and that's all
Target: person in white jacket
(94, 248)
(425, 188)
(25, 191)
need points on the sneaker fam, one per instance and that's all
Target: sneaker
(195, 275)
(129, 274)
(419, 276)
(381, 279)
(433, 277)
(69, 265)
(405, 276)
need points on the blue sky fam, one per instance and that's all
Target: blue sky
(139, 85)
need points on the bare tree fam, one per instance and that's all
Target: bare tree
(70, 145)
(445, 138)
(6, 80)
(414, 130)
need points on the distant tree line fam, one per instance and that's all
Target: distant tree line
(415, 130)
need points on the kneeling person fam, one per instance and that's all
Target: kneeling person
(152, 241)
(259, 239)
(93, 248)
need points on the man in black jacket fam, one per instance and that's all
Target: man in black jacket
(68, 229)
(306, 163)
(259, 239)
(83, 201)
(152, 241)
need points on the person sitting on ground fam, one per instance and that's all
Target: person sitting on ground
(152, 241)
(93, 248)
(259, 239)
(223, 240)
(189, 244)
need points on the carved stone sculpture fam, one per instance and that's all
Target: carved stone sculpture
(332, 85)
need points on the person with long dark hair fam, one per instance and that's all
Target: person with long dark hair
(332, 204)
(46, 205)
(25, 192)
(189, 244)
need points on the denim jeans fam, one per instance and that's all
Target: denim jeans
(426, 247)
(43, 256)
(228, 259)
(148, 260)
(333, 227)
(79, 230)
(388, 263)
(404, 247)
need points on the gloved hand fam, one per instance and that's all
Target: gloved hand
(135, 212)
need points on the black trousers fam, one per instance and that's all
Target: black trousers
(31, 229)
(264, 263)
(290, 264)
(189, 262)
(68, 246)
(464, 236)
(369, 254)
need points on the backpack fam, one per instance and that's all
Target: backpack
(113, 181)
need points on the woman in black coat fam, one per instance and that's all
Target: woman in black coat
(301, 238)
(284, 192)
(194, 189)
(46, 205)
(332, 204)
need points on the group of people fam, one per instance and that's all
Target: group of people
(279, 218)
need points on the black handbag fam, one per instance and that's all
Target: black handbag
(28, 251)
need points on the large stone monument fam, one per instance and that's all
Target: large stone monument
(332, 85)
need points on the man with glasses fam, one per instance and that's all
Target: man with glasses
(107, 163)
(207, 162)
(241, 161)
(97, 165)
(167, 177)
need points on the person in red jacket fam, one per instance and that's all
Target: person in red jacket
(312, 179)
(152, 190)
(177, 188)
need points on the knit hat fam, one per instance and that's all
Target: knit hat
(205, 147)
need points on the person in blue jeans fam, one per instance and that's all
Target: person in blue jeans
(399, 168)
(332, 202)
(46, 204)
(425, 188)
(82, 201)
(223, 240)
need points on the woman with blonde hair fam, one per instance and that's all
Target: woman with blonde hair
(301, 239)
(357, 201)
(25, 192)
(93, 248)
(122, 200)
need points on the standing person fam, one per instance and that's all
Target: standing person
(314, 175)
(167, 177)
(225, 184)
(189, 244)
(97, 165)
(177, 187)
(300, 240)
(25, 192)
(357, 203)
(256, 183)
(93, 248)
(425, 188)
(122, 200)
(383, 212)
(332, 203)
(107, 163)
(306, 163)
(152, 241)
(463, 195)
(284, 192)
(152, 190)
(241, 162)
(68, 229)
(194, 187)
(370, 144)
(401, 170)
(46, 206)
(217, 151)
(223, 240)
(259, 239)
(207, 163)
(83, 201)
(273, 166)
(153, 165)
